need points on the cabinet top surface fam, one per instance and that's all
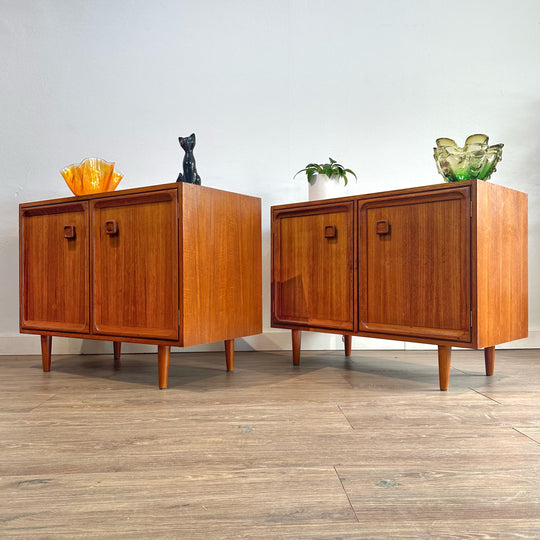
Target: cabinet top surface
(181, 187)
(397, 192)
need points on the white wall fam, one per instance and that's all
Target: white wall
(267, 86)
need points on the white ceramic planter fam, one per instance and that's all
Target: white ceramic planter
(326, 188)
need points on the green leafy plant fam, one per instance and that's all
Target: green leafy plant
(330, 169)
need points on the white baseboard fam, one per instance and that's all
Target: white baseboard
(270, 340)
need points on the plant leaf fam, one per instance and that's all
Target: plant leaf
(328, 170)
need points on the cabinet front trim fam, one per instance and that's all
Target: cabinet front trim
(313, 278)
(135, 265)
(53, 267)
(422, 263)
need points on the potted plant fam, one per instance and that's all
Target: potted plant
(324, 179)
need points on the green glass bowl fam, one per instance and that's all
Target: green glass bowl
(475, 160)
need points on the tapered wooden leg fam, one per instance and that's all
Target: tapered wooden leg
(296, 342)
(445, 353)
(117, 349)
(489, 357)
(46, 351)
(164, 356)
(229, 354)
(348, 345)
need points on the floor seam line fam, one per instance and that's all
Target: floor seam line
(525, 435)
(346, 417)
(484, 395)
(346, 494)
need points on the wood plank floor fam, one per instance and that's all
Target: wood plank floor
(360, 448)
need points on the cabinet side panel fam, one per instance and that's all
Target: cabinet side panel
(501, 251)
(222, 282)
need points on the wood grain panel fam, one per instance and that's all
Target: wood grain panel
(501, 264)
(54, 269)
(135, 269)
(222, 275)
(416, 277)
(313, 262)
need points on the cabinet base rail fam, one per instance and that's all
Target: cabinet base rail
(444, 356)
(164, 355)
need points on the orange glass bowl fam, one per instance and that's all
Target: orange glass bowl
(93, 175)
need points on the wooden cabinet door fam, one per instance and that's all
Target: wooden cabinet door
(135, 265)
(313, 267)
(54, 267)
(415, 265)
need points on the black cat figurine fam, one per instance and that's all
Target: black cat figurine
(190, 168)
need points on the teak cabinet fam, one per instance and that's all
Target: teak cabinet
(171, 265)
(443, 264)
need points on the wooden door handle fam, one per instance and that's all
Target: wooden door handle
(382, 226)
(69, 232)
(330, 231)
(111, 227)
